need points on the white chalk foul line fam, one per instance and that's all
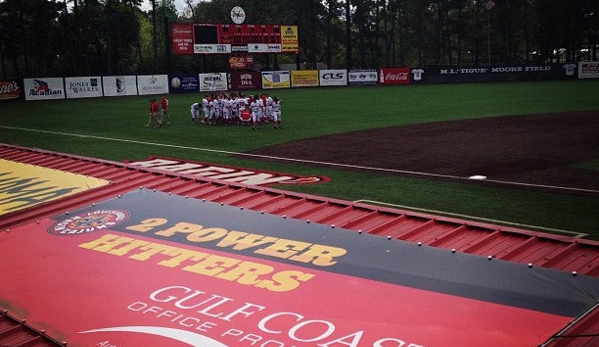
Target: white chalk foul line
(303, 161)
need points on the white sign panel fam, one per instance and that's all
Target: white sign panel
(363, 77)
(212, 49)
(213, 82)
(43, 88)
(152, 84)
(119, 85)
(264, 48)
(83, 87)
(588, 69)
(332, 77)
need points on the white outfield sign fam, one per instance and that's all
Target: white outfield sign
(588, 69)
(152, 84)
(370, 76)
(332, 77)
(43, 88)
(83, 87)
(210, 82)
(211, 49)
(119, 85)
(264, 48)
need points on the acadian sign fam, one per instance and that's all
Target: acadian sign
(24, 185)
(154, 269)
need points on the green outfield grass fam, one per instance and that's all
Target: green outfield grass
(114, 129)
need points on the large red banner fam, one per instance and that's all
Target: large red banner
(182, 38)
(151, 269)
(394, 75)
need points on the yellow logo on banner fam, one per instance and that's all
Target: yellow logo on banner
(275, 79)
(304, 78)
(24, 185)
(289, 39)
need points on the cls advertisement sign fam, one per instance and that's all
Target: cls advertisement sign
(332, 78)
(394, 75)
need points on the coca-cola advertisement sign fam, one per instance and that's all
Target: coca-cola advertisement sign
(182, 38)
(9, 90)
(394, 75)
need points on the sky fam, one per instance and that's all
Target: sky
(179, 4)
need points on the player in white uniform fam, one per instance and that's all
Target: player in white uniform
(276, 112)
(213, 106)
(205, 107)
(256, 108)
(226, 109)
(234, 109)
(268, 108)
(195, 113)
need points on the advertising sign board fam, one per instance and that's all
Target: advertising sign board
(182, 38)
(246, 80)
(276, 79)
(119, 85)
(44, 88)
(83, 87)
(304, 78)
(332, 78)
(226, 38)
(152, 84)
(363, 76)
(150, 268)
(394, 75)
(10, 89)
(588, 69)
(181, 83)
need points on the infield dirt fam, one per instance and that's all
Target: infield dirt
(540, 149)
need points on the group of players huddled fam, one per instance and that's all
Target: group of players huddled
(237, 109)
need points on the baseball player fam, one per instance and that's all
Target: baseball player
(276, 112)
(256, 108)
(195, 113)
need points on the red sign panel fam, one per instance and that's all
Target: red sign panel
(10, 90)
(246, 80)
(151, 269)
(182, 38)
(394, 75)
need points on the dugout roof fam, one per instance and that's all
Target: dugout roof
(268, 264)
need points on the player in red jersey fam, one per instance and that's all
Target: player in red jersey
(164, 107)
(154, 108)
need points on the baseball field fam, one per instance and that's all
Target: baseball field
(536, 144)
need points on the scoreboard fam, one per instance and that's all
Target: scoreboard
(234, 38)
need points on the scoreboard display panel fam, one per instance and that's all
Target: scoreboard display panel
(234, 38)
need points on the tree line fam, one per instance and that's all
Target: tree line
(107, 37)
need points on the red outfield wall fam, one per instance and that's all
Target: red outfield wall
(150, 258)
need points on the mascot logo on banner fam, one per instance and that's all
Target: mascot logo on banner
(88, 222)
